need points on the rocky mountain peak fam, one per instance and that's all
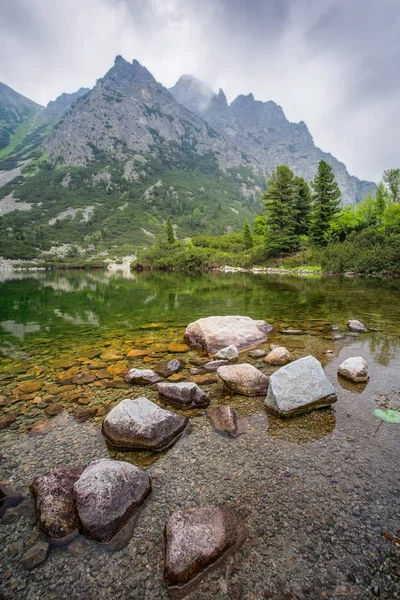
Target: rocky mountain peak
(124, 72)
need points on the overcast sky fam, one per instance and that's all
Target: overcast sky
(333, 63)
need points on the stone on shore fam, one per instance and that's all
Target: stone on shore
(142, 377)
(142, 425)
(196, 538)
(109, 494)
(166, 368)
(183, 395)
(356, 326)
(214, 333)
(244, 379)
(228, 353)
(298, 387)
(224, 419)
(354, 369)
(279, 356)
(55, 508)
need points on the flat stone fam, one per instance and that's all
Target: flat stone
(142, 377)
(103, 374)
(108, 495)
(7, 420)
(84, 378)
(55, 508)
(206, 379)
(141, 424)
(173, 347)
(53, 409)
(138, 353)
(279, 356)
(354, 369)
(356, 326)
(42, 428)
(28, 387)
(166, 368)
(214, 365)
(224, 419)
(228, 353)
(214, 333)
(257, 353)
(84, 414)
(197, 538)
(292, 332)
(244, 379)
(177, 377)
(183, 395)
(299, 387)
(35, 555)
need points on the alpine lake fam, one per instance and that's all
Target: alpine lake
(319, 493)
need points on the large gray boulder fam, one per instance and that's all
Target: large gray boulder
(214, 333)
(197, 538)
(354, 369)
(183, 394)
(244, 379)
(109, 494)
(142, 425)
(55, 507)
(299, 387)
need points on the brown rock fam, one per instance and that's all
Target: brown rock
(103, 374)
(244, 379)
(177, 377)
(35, 555)
(84, 414)
(53, 409)
(174, 347)
(29, 387)
(42, 428)
(224, 419)
(7, 420)
(206, 379)
(84, 378)
(119, 368)
(279, 356)
(137, 353)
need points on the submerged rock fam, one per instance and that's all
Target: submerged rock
(55, 507)
(257, 353)
(228, 353)
(166, 368)
(299, 387)
(183, 395)
(196, 538)
(214, 333)
(224, 419)
(141, 424)
(142, 377)
(354, 369)
(244, 379)
(357, 326)
(35, 555)
(109, 494)
(279, 356)
(9, 498)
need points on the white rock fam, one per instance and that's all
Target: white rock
(357, 326)
(244, 379)
(228, 353)
(214, 333)
(354, 369)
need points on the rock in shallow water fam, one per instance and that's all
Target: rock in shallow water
(35, 555)
(214, 333)
(109, 494)
(183, 395)
(196, 538)
(228, 353)
(142, 377)
(55, 507)
(166, 368)
(279, 356)
(299, 387)
(357, 326)
(354, 369)
(224, 419)
(244, 379)
(213, 365)
(257, 353)
(141, 424)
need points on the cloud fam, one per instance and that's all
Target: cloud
(331, 63)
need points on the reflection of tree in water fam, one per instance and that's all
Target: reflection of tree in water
(384, 348)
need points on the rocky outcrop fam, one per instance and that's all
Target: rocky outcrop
(299, 387)
(279, 356)
(108, 495)
(214, 333)
(224, 419)
(183, 395)
(55, 507)
(244, 379)
(356, 326)
(197, 538)
(142, 377)
(354, 369)
(141, 424)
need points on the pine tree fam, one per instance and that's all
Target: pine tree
(392, 179)
(381, 198)
(169, 230)
(302, 207)
(247, 237)
(326, 200)
(279, 200)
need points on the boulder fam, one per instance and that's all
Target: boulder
(109, 494)
(299, 387)
(142, 425)
(142, 377)
(224, 419)
(244, 379)
(214, 333)
(354, 369)
(214, 365)
(196, 538)
(55, 508)
(183, 395)
(166, 368)
(357, 326)
(279, 356)
(228, 353)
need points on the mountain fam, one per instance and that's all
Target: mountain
(14, 110)
(58, 107)
(261, 130)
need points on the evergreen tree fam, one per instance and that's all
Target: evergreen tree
(326, 200)
(392, 179)
(302, 207)
(247, 237)
(279, 200)
(169, 230)
(381, 198)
